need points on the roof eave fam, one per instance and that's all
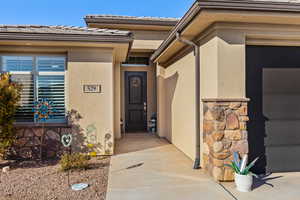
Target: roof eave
(186, 19)
(200, 5)
(130, 21)
(66, 37)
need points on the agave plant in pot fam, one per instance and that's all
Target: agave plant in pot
(243, 175)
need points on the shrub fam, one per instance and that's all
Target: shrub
(74, 161)
(9, 98)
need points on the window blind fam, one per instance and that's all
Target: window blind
(51, 64)
(52, 88)
(24, 112)
(41, 77)
(17, 63)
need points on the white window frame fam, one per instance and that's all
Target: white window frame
(36, 73)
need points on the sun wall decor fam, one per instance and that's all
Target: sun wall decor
(43, 110)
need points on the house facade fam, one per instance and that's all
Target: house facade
(244, 54)
(221, 79)
(91, 102)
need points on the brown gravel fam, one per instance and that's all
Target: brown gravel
(44, 181)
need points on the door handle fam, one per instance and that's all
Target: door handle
(145, 107)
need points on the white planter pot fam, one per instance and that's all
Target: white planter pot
(243, 182)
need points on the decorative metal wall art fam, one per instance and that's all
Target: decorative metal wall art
(43, 110)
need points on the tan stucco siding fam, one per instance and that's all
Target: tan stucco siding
(86, 66)
(148, 40)
(160, 88)
(209, 68)
(178, 120)
(117, 101)
(222, 61)
(231, 62)
(222, 75)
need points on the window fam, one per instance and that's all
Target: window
(138, 61)
(42, 77)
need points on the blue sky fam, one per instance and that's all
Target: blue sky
(71, 12)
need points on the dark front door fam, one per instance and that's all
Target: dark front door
(136, 101)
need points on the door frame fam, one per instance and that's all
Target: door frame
(126, 88)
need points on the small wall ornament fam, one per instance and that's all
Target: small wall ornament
(108, 143)
(66, 140)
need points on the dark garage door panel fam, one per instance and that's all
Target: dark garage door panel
(282, 158)
(282, 146)
(280, 132)
(281, 106)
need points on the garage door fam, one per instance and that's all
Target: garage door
(281, 107)
(273, 85)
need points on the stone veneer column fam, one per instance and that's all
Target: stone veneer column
(224, 132)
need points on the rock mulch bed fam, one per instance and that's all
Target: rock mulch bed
(31, 180)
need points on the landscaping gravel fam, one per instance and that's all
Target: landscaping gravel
(44, 181)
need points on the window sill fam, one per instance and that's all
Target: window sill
(41, 125)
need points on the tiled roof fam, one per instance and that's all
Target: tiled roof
(132, 18)
(117, 19)
(74, 30)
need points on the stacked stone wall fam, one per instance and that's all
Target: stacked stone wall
(224, 132)
(30, 141)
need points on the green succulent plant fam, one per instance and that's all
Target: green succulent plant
(240, 166)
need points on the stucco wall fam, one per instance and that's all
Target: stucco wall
(222, 75)
(222, 60)
(160, 84)
(148, 40)
(177, 105)
(117, 101)
(92, 66)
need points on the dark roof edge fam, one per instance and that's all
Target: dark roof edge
(128, 21)
(247, 5)
(66, 37)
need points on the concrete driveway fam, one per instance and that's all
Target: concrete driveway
(149, 168)
(277, 186)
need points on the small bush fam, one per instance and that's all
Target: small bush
(9, 102)
(74, 161)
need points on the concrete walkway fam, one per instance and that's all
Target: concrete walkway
(277, 186)
(148, 168)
